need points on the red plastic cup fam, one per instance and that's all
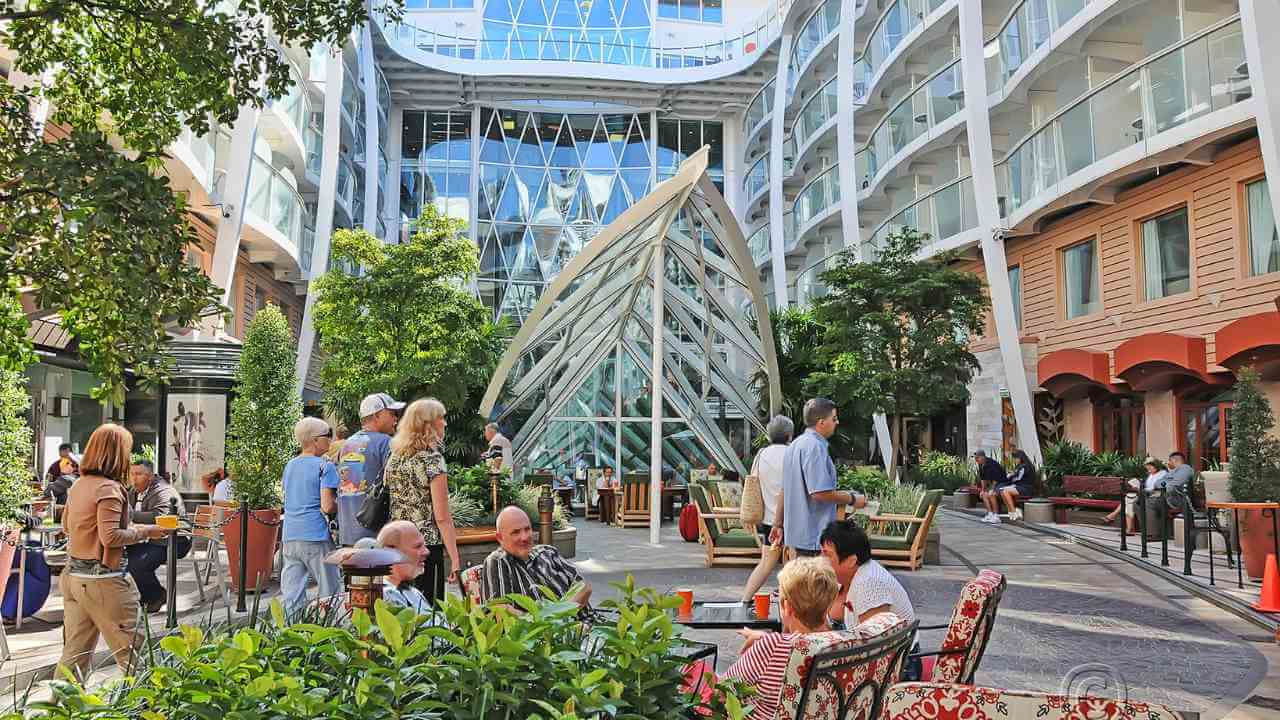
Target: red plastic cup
(762, 604)
(686, 601)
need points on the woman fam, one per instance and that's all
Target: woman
(418, 481)
(1155, 474)
(1021, 483)
(767, 467)
(99, 597)
(310, 492)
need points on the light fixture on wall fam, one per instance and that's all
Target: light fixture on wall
(60, 407)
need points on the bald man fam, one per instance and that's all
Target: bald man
(519, 566)
(400, 591)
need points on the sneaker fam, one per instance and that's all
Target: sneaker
(990, 518)
(1015, 516)
(995, 519)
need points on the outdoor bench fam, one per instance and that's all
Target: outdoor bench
(1113, 488)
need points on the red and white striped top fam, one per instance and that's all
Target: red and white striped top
(763, 666)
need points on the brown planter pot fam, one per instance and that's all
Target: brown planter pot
(7, 553)
(1257, 540)
(262, 548)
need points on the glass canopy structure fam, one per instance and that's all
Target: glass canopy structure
(577, 381)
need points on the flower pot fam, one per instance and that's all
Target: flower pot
(7, 553)
(1257, 540)
(263, 531)
(966, 499)
(1217, 485)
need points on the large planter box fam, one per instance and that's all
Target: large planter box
(475, 544)
(1038, 511)
(933, 546)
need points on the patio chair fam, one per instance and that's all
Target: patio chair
(634, 510)
(912, 700)
(727, 515)
(899, 540)
(844, 675)
(206, 525)
(969, 630)
(724, 547)
(469, 580)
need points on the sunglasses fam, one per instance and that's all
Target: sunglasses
(326, 434)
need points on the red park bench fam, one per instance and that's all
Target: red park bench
(1112, 488)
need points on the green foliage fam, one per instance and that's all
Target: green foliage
(147, 453)
(466, 512)
(15, 447)
(1255, 453)
(527, 500)
(940, 471)
(869, 481)
(489, 663)
(1113, 463)
(265, 409)
(409, 326)
(1062, 459)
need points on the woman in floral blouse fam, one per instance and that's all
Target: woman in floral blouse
(418, 481)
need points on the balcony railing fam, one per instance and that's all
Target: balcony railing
(758, 244)
(306, 248)
(1029, 25)
(944, 212)
(894, 24)
(760, 108)
(936, 99)
(809, 285)
(346, 182)
(297, 102)
(313, 139)
(757, 178)
(274, 199)
(821, 25)
(821, 193)
(1201, 74)
(816, 112)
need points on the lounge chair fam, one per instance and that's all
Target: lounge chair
(909, 701)
(899, 540)
(967, 633)
(724, 547)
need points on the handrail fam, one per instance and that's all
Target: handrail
(931, 195)
(1139, 65)
(762, 96)
(861, 57)
(1018, 6)
(751, 179)
(276, 187)
(869, 147)
(803, 190)
(799, 68)
(803, 142)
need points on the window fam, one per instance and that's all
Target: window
(439, 4)
(707, 11)
(1015, 290)
(1166, 255)
(1080, 279)
(1264, 242)
(1120, 425)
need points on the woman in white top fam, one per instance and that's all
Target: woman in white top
(768, 468)
(1155, 475)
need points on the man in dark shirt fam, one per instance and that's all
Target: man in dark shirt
(990, 475)
(519, 566)
(151, 497)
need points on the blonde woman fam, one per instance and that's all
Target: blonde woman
(418, 482)
(100, 598)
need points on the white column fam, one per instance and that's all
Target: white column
(391, 210)
(655, 394)
(234, 196)
(981, 157)
(846, 144)
(371, 155)
(733, 164)
(1264, 75)
(330, 148)
(777, 202)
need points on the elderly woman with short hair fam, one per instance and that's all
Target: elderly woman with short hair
(310, 491)
(767, 467)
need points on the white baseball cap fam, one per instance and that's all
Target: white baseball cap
(378, 402)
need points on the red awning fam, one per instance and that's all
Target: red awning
(1156, 361)
(1252, 340)
(1074, 373)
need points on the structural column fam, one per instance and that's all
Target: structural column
(329, 143)
(981, 156)
(371, 146)
(234, 196)
(777, 218)
(1259, 17)
(655, 391)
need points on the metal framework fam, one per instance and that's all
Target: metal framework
(580, 371)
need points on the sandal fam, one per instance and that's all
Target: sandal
(1108, 521)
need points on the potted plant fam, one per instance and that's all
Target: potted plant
(15, 470)
(1255, 468)
(260, 440)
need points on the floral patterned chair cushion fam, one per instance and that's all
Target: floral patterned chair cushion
(823, 702)
(970, 626)
(469, 579)
(940, 701)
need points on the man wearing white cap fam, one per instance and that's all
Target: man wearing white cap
(361, 461)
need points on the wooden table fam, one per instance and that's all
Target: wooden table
(729, 616)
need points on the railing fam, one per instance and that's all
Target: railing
(816, 112)
(817, 196)
(202, 149)
(761, 107)
(1201, 74)
(894, 24)
(820, 26)
(936, 99)
(1029, 25)
(757, 178)
(520, 43)
(297, 103)
(313, 139)
(346, 182)
(758, 244)
(944, 212)
(809, 286)
(305, 249)
(274, 199)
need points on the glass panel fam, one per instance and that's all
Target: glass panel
(1166, 255)
(1080, 271)
(1015, 290)
(1117, 116)
(1264, 241)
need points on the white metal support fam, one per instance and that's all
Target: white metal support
(1257, 19)
(233, 194)
(777, 201)
(655, 391)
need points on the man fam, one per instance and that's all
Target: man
(360, 465)
(400, 591)
(991, 475)
(1180, 473)
(61, 474)
(866, 587)
(499, 445)
(809, 494)
(519, 566)
(152, 495)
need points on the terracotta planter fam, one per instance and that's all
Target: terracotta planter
(7, 553)
(262, 548)
(1257, 540)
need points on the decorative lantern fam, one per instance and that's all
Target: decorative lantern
(362, 571)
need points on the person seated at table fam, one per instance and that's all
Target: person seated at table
(152, 499)
(609, 479)
(1155, 475)
(218, 485)
(519, 566)
(400, 590)
(65, 466)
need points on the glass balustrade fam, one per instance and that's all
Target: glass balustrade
(202, 149)
(943, 213)
(1029, 26)
(760, 108)
(1186, 81)
(306, 249)
(296, 103)
(816, 112)
(757, 179)
(274, 199)
(821, 193)
(820, 25)
(346, 182)
(758, 244)
(937, 99)
(312, 138)
(809, 285)
(894, 24)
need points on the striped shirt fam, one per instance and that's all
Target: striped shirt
(505, 573)
(762, 666)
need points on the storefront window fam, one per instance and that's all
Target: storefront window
(1121, 425)
(1205, 429)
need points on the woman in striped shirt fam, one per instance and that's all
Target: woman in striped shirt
(806, 588)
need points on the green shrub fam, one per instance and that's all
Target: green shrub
(940, 471)
(1062, 459)
(15, 448)
(1113, 463)
(1255, 454)
(465, 510)
(869, 481)
(527, 500)
(900, 500)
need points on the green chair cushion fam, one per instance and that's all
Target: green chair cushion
(889, 542)
(929, 501)
(698, 493)
(736, 538)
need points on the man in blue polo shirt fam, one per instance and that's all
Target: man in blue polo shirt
(809, 494)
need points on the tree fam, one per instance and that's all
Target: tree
(93, 233)
(407, 324)
(15, 450)
(265, 410)
(1255, 453)
(897, 332)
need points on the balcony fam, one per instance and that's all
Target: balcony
(1180, 91)
(758, 245)
(314, 140)
(345, 188)
(808, 285)
(285, 123)
(1029, 25)
(276, 214)
(756, 180)
(816, 199)
(760, 110)
(814, 35)
(817, 111)
(944, 213)
(937, 99)
(196, 164)
(893, 25)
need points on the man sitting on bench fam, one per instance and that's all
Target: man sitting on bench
(990, 476)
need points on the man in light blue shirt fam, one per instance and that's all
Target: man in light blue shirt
(400, 591)
(809, 494)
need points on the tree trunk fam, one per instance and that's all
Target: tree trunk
(895, 441)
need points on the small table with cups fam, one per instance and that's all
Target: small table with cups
(729, 616)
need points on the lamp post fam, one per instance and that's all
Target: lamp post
(362, 571)
(546, 506)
